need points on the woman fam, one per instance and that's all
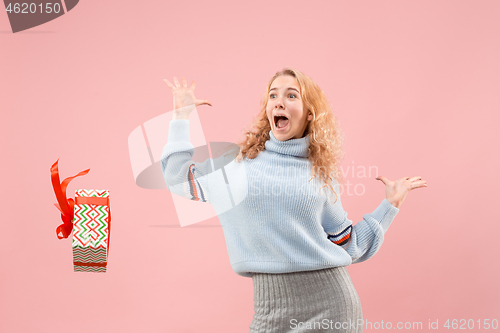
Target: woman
(286, 233)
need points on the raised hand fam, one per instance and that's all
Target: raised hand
(183, 97)
(396, 191)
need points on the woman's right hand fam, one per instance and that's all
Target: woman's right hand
(183, 97)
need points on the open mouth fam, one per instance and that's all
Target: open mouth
(281, 122)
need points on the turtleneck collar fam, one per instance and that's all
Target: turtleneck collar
(293, 147)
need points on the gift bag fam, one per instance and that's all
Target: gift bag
(91, 227)
(88, 219)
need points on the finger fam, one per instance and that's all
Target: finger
(177, 84)
(168, 83)
(383, 179)
(202, 102)
(184, 82)
(193, 85)
(422, 183)
(414, 178)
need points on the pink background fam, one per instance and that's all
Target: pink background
(415, 85)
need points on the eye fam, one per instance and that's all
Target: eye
(295, 96)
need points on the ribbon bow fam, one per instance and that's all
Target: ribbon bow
(65, 206)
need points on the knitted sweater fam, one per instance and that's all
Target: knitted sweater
(274, 219)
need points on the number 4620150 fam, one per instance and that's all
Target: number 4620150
(463, 324)
(16, 8)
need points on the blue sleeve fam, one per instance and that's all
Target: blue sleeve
(362, 240)
(182, 175)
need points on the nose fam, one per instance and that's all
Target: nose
(279, 103)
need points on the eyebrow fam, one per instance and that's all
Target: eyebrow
(289, 88)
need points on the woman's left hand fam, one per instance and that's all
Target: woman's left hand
(396, 191)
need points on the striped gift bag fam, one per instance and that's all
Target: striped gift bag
(88, 218)
(91, 227)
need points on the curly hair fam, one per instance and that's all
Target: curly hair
(326, 137)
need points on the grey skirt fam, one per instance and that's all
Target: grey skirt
(308, 301)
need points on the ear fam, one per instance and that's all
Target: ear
(310, 116)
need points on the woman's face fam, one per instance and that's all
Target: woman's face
(285, 99)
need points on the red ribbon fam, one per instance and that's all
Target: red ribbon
(65, 206)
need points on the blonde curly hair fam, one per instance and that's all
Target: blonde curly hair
(326, 137)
